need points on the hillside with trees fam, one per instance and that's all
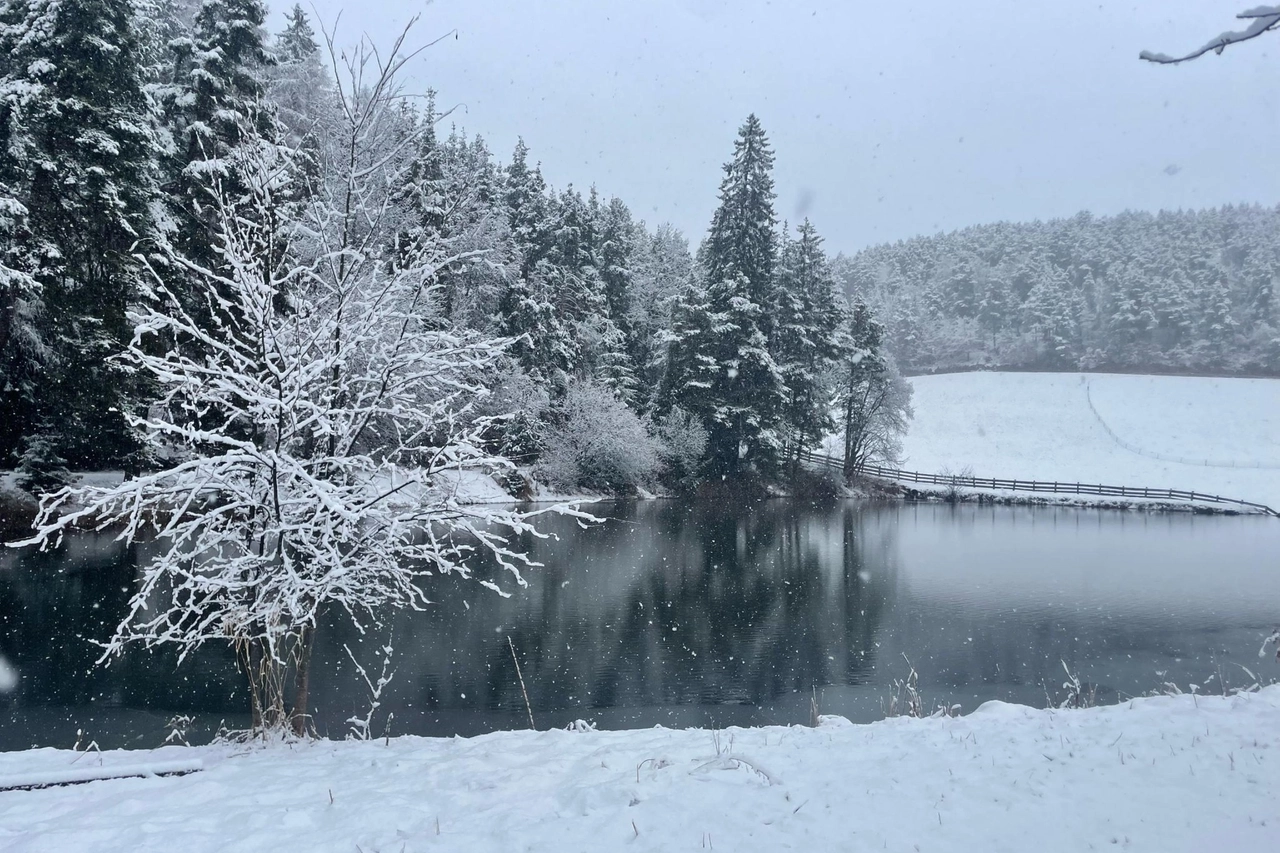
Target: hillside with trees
(1185, 291)
(159, 153)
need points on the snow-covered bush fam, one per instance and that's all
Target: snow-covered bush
(682, 442)
(598, 443)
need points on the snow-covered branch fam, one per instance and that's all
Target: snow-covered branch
(1261, 19)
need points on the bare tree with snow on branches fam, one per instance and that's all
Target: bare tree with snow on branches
(1261, 19)
(315, 414)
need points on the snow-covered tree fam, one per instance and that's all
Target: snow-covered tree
(77, 173)
(663, 267)
(743, 240)
(806, 321)
(215, 99)
(873, 398)
(315, 422)
(526, 310)
(720, 366)
(298, 85)
(683, 441)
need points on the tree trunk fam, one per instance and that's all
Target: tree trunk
(248, 653)
(302, 682)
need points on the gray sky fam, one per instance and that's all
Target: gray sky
(889, 120)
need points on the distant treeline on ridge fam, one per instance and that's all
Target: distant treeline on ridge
(1186, 290)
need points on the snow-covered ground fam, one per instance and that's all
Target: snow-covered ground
(1165, 774)
(1220, 436)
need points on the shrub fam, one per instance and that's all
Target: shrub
(597, 443)
(683, 441)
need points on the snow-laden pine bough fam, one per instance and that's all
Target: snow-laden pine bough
(312, 395)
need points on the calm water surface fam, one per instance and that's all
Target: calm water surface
(685, 614)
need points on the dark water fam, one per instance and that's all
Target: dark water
(696, 615)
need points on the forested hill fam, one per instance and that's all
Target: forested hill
(1191, 290)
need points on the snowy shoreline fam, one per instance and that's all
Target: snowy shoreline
(1163, 773)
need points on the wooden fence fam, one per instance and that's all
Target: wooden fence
(961, 481)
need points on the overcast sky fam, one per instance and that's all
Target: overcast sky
(889, 120)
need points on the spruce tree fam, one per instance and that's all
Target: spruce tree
(543, 342)
(298, 85)
(217, 94)
(572, 269)
(806, 322)
(296, 43)
(662, 270)
(743, 236)
(618, 235)
(726, 373)
(78, 165)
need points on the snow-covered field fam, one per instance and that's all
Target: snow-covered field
(1165, 774)
(1220, 436)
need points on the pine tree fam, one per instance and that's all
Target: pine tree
(743, 239)
(296, 43)
(689, 369)
(663, 269)
(298, 85)
(573, 271)
(527, 313)
(79, 149)
(159, 23)
(807, 319)
(216, 99)
(728, 374)
(617, 258)
(472, 220)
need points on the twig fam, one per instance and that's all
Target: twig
(516, 661)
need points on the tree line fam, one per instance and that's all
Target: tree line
(1176, 290)
(131, 128)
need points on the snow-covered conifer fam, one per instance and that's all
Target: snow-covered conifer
(78, 177)
(806, 322)
(720, 365)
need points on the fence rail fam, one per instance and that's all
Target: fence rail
(996, 483)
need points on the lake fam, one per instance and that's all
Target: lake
(686, 614)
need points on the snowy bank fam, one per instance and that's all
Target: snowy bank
(1213, 435)
(1162, 774)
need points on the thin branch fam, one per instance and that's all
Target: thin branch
(1264, 19)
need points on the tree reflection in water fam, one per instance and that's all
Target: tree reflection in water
(699, 614)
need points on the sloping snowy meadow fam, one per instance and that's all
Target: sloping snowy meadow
(1162, 774)
(1204, 434)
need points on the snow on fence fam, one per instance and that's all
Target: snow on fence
(1132, 448)
(961, 481)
